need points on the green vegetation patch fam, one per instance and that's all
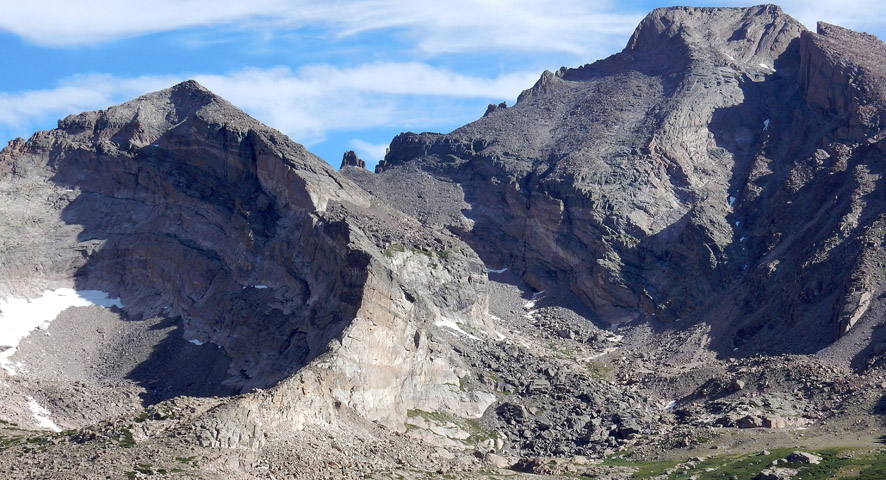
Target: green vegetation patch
(125, 438)
(834, 464)
(598, 370)
(645, 469)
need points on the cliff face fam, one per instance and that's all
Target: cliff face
(187, 209)
(654, 183)
(842, 74)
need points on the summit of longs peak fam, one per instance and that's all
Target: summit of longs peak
(746, 34)
(670, 39)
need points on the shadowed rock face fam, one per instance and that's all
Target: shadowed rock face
(185, 207)
(721, 168)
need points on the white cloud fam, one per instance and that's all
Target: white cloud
(305, 104)
(586, 28)
(63, 22)
(855, 14)
(574, 26)
(85, 92)
(316, 99)
(370, 152)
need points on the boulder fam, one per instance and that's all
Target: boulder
(803, 457)
(776, 473)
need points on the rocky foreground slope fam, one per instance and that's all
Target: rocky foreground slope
(670, 253)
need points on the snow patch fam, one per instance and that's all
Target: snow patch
(260, 286)
(529, 305)
(500, 335)
(767, 67)
(737, 223)
(446, 323)
(670, 406)
(731, 200)
(196, 342)
(20, 316)
(766, 124)
(42, 415)
(496, 270)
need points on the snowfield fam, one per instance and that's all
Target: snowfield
(21, 316)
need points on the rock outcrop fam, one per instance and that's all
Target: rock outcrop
(350, 159)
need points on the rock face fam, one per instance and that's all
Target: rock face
(187, 209)
(722, 168)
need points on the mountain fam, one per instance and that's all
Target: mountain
(723, 168)
(222, 231)
(672, 253)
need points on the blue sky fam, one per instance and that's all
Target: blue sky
(333, 75)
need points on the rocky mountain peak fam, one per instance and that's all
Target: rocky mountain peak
(674, 40)
(142, 121)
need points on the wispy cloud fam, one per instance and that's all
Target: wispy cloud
(21, 110)
(316, 99)
(855, 14)
(575, 26)
(62, 22)
(369, 152)
(305, 104)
